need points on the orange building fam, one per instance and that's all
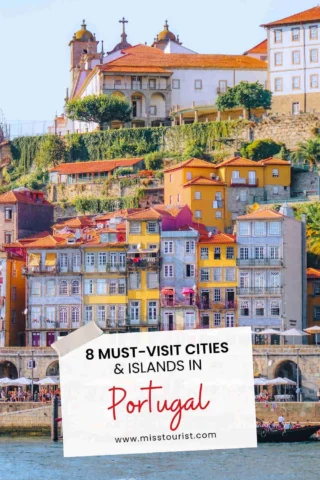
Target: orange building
(313, 302)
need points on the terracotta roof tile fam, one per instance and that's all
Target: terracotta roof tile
(145, 214)
(14, 196)
(240, 162)
(115, 68)
(218, 238)
(76, 222)
(262, 48)
(96, 166)
(262, 215)
(203, 181)
(191, 163)
(310, 15)
(313, 273)
(274, 161)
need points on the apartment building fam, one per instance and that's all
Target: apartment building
(271, 271)
(293, 62)
(313, 292)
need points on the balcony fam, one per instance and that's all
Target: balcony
(135, 85)
(106, 268)
(259, 291)
(45, 324)
(223, 305)
(45, 270)
(259, 262)
(174, 301)
(136, 263)
(244, 182)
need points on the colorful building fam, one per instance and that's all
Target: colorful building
(313, 292)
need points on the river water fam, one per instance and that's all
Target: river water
(41, 459)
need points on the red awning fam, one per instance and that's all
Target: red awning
(167, 291)
(187, 291)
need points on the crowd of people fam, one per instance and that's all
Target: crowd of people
(17, 394)
(280, 426)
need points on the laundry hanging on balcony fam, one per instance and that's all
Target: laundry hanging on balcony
(34, 260)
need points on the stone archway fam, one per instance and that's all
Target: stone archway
(138, 103)
(53, 369)
(8, 369)
(290, 370)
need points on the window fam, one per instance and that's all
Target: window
(63, 261)
(244, 228)
(152, 280)
(36, 287)
(230, 253)
(122, 286)
(134, 310)
(63, 287)
(75, 314)
(204, 275)
(176, 84)
(204, 253)
(75, 287)
(117, 82)
(7, 237)
(190, 246)
(230, 274)
(205, 321)
(101, 313)
(152, 84)
(314, 81)
(101, 286)
(135, 227)
(190, 270)
(89, 258)
(217, 295)
(198, 84)
(296, 57)
(8, 214)
(170, 178)
(168, 271)
(170, 200)
(152, 310)
(102, 258)
(275, 279)
(35, 314)
(168, 247)
(278, 36)
(235, 174)
(152, 227)
(197, 214)
(134, 281)
(223, 85)
(243, 195)
(189, 175)
(112, 287)
(13, 317)
(217, 274)
(258, 253)
(244, 253)
(50, 288)
(217, 253)
(63, 316)
(259, 229)
(217, 319)
(295, 34)
(275, 172)
(190, 320)
(50, 315)
(278, 84)
(14, 270)
(88, 287)
(274, 228)
(296, 83)
(153, 110)
(218, 214)
(88, 313)
(230, 320)
(278, 58)
(259, 308)
(274, 253)
(313, 55)
(313, 32)
(198, 195)
(76, 260)
(295, 108)
(244, 279)
(35, 340)
(275, 307)
(316, 289)
(259, 280)
(244, 308)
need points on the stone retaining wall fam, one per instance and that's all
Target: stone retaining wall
(292, 411)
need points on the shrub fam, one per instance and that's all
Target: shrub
(122, 171)
(154, 161)
(146, 173)
(159, 174)
(53, 151)
(261, 149)
(193, 149)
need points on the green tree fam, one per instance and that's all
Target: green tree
(312, 212)
(52, 151)
(99, 109)
(154, 161)
(308, 152)
(261, 149)
(246, 95)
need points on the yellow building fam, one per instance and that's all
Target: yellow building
(12, 300)
(217, 280)
(313, 302)
(143, 264)
(217, 194)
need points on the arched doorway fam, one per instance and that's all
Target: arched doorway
(290, 370)
(138, 105)
(53, 369)
(8, 369)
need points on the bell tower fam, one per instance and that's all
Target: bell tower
(81, 41)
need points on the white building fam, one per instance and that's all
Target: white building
(294, 62)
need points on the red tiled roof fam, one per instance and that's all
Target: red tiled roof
(145, 214)
(310, 15)
(218, 238)
(14, 196)
(261, 215)
(76, 222)
(274, 161)
(191, 163)
(313, 273)
(123, 213)
(203, 181)
(261, 48)
(115, 68)
(240, 162)
(96, 166)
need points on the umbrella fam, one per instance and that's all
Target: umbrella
(294, 332)
(313, 330)
(290, 382)
(260, 381)
(22, 381)
(270, 331)
(48, 381)
(278, 381)
(5, 381)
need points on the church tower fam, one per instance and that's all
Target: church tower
(81, 42)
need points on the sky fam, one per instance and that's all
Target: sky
(34, 37)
